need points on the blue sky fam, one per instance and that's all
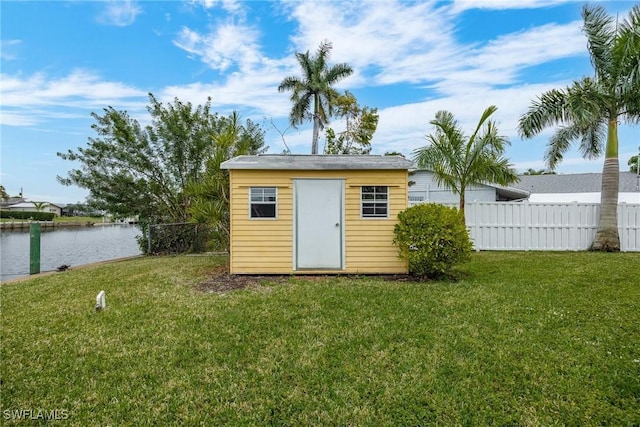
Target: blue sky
(62, 60)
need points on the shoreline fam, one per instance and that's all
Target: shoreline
(50, 272)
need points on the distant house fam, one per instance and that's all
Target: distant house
(4, 204)
(424, 188)
(31, 207)
(581, 187)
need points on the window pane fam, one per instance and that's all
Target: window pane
(374, 201)
(256, 194)
(263, 211)
(368, 209)
(381, 210)
(263, 202)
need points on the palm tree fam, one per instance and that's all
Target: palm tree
(458, 161)
(209, 195)
(589, 110)
(315, 87)
(40, 206)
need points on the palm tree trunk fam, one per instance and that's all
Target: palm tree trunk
(607, 238)
(316, 134)
(461, 207)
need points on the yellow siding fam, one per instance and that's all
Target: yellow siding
(266, 246)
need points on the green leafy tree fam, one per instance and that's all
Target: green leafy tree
(459, 161)
(361, 124)
(633, 164)
(4, 196)
(132, 170)
(312, 94)
(210, 195)
(589, 110)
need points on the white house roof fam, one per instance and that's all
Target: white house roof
(318, 162)
(580, 187)
(23, 205)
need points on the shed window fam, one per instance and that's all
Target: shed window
(263, 203)
(374, 201)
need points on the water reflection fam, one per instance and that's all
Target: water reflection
(72, 246)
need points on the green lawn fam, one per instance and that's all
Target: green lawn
(522, 339)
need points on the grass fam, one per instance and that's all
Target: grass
(523, 339)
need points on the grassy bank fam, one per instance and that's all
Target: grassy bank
(522, 339)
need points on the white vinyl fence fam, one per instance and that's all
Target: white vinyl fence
(526, 226)
(545, 226)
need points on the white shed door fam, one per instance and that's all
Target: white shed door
(318, 223)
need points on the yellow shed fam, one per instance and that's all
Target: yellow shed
(304, 214)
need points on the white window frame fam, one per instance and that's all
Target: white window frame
(263, 202)
(374, 201)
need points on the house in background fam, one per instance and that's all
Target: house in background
(300, 214)
(31, 207)
(424, 188)
(580, 187)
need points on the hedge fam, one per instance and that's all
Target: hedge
(36, 216)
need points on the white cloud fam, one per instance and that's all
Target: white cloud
(7, 49)
(79, 90)
(377, 36)
(119, 13)
(462, 5)
(231, 6)
(397, 42)
(227, 45)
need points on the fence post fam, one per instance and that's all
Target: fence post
(34, 248)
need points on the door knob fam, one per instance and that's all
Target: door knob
(337, 224)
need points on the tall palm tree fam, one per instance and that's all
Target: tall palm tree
(314, 89)
(588, 111)
(458, 161)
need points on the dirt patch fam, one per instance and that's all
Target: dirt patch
(224, 282)
(221, 281)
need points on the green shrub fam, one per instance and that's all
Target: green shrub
(36, 216)
(432, 238)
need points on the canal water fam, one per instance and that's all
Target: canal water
(72, 246)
